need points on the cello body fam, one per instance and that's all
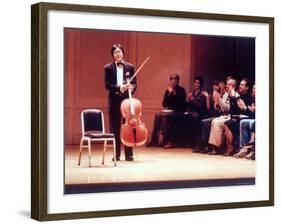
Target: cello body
(133, 132)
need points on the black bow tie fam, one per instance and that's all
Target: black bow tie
(120, 63)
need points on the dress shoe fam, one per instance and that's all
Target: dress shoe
(196, 149)
(129, 158)
(249, 147)
(243, 152)
(149, 144)
(251, 155)
(161, 144)
(205, 150)
(250, 143)
(229, 153)
(214, 152)
(117, 159)
(168, 146)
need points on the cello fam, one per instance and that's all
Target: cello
(133, 132)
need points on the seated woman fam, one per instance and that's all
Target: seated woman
(216, 137)
(213, 106)
(197, 106)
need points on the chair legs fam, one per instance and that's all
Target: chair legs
(104, 149)
(80, 151)
(89, 150)
(114, 151)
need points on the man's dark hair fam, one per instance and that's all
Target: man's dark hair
(200, 79)
(114, 46)
(248, 83)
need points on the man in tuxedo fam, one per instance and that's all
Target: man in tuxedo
(115, 75)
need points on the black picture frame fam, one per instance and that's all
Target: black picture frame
(39, 108)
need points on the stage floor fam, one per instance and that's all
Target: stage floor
(154, 164)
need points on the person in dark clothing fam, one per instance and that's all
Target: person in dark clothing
(214, 100)
(175, 95)
(247, 134)
(197, 106)
(168, 121)
(174, 99)
(238, 109)
(205, 125)
(115, 74)
(198, 99)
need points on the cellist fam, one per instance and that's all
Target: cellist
(115, 83)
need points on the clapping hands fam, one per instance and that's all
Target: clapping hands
(216, 97)
(241, 104)
(205, 93)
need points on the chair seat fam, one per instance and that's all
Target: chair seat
(95, 134)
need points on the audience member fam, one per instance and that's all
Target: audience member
(197, 105)
(217, 126)
(247, 134)
(238, 110)
(205, 124)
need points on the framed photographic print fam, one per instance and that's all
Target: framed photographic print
(138, 111)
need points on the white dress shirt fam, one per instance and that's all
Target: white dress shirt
(119, 75)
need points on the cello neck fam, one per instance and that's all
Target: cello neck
(132, 109)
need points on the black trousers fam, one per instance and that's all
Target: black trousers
(234, 125)
(159, 127)
(176, 130)
(115, 119)
(171, 125)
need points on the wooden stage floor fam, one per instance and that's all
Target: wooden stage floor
(177, 167)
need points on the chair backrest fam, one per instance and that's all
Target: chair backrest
(92, 120)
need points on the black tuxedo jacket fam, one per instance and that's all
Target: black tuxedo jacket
(110, 82)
